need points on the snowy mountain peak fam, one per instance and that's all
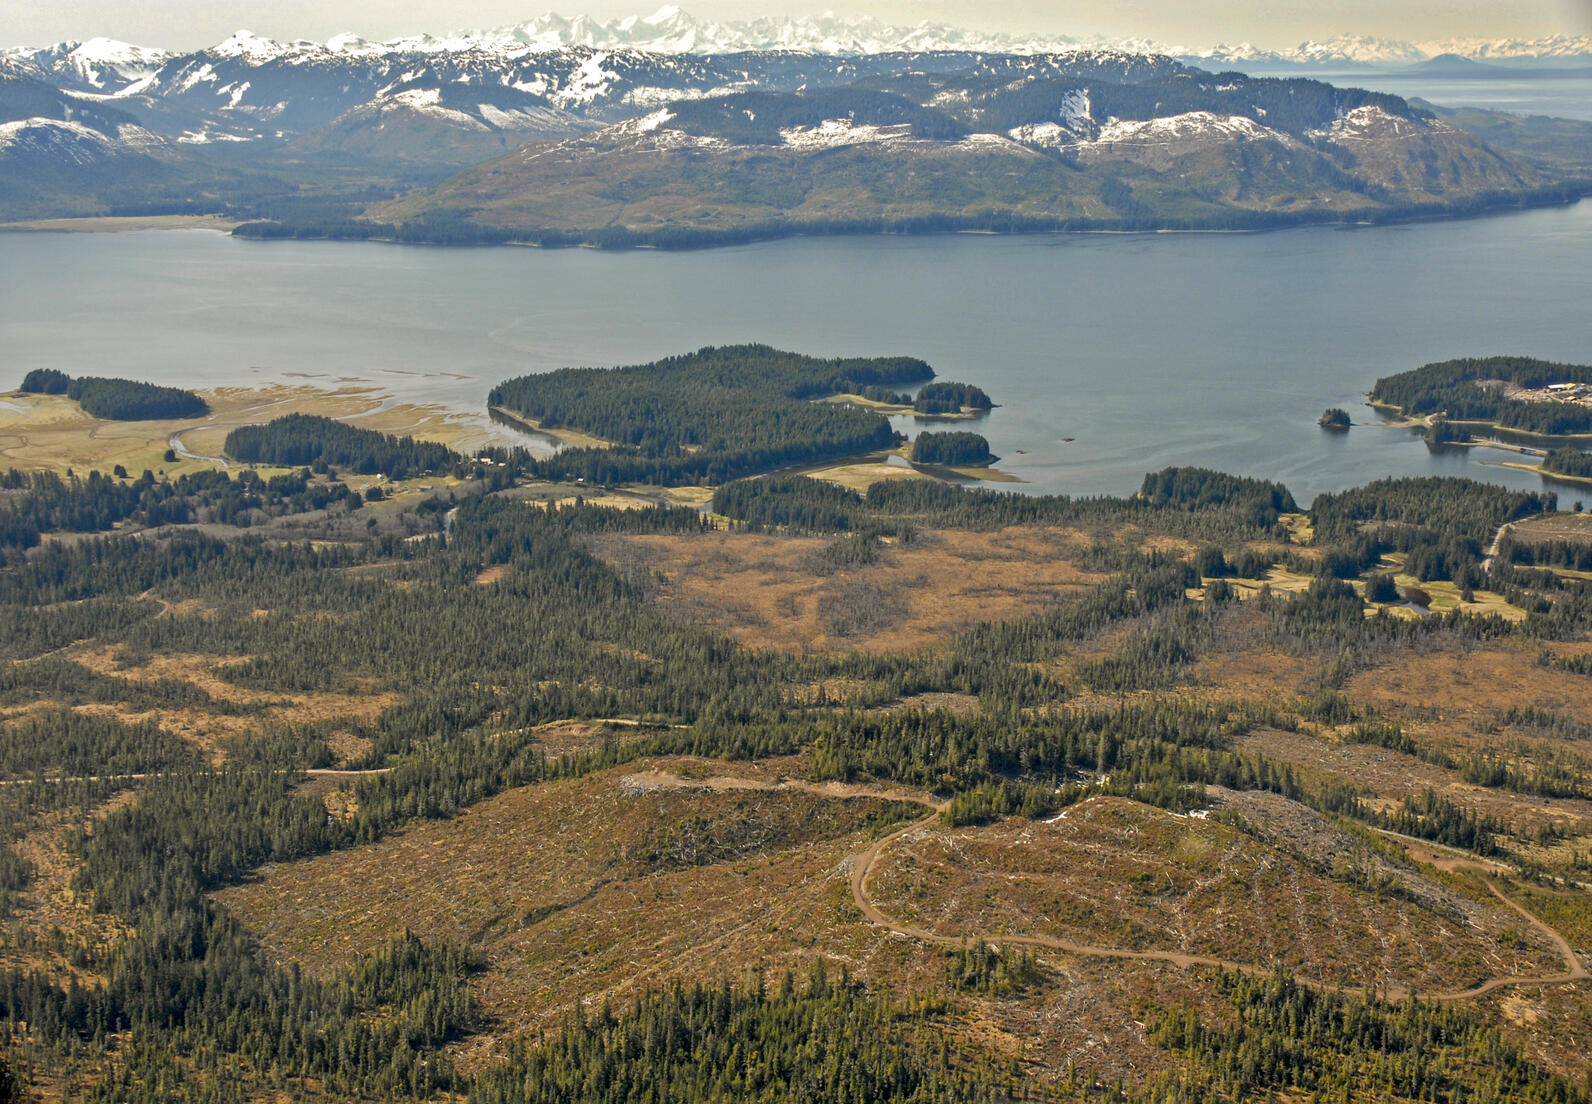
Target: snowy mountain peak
(247, 44)
(106, 65)
(99, 64)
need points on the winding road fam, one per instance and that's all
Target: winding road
(864, 863)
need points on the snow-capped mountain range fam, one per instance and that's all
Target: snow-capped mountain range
(106, 65)
(82, 119)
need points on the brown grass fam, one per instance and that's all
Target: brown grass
(1394, 776)
(1552, 527)
(52, 432)
(1457, 691)
(764, 590)
(49, 903)
(212, 731)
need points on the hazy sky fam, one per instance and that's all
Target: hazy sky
(189, 24)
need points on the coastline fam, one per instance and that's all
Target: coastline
(567, 438)
(121, 224)
(995, 224)
(1552, 476)
(1403, 420)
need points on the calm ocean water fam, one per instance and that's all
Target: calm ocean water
(1111, 355)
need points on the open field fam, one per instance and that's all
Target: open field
(763, 590)
(1553, 527)
(52, 432)
(112, 224)
(966, 414)
(863, 474)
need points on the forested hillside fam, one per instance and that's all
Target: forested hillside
(1479, 390)
(484, 811)
(935, 151)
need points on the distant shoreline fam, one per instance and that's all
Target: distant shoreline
(686, 239)
(1002, 224)
(120, 224)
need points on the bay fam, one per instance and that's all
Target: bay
(1110, 354)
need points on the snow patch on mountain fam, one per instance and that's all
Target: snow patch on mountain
(835, 133)
(587, 83)
(1049, 135)
(428, 101)
(105, 63)
(60, 141)
(1369, 123)
(521, 119)
(985, 142)
(1189, 129)
(247, 44)
(1179, 128)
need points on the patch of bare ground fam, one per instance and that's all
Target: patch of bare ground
(766, 591)
(210, 730)
(829, 691)
(49, 904)
(585, 891)
(1255, 675)
(1472, 684)
(348, 747)
(559, 738)
(1551, 1024)
(1552, 527)
(491, 575)
(1118, 874)
(960, 704)
(1394, 776)
(593, 887)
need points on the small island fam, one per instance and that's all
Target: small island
(940, 400)
(952, 450)
(707, 417)
(943, 397)
(1334, 418)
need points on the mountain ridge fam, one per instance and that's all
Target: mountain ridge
(670, 30)
(1182, 151)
